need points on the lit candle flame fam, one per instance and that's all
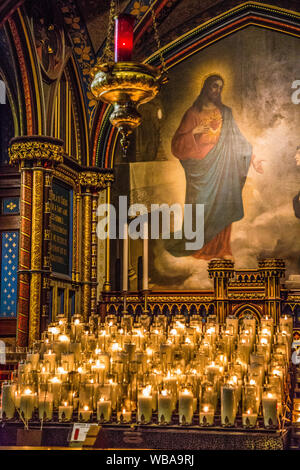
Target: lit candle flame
(146, 391)
(55, 380)
(63, 338)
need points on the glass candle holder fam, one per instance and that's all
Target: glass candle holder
(144, 414)
(269, 404)
(65, 411)
(8, 402)
(165, 407)
(206, 414)
(228, 404)
(185, 406)
(45, 406)
(103, 409)
(208, 395)
(249, 406)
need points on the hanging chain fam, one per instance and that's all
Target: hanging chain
(157, 39)
(108, 55)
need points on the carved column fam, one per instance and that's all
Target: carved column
(36, 156)
(271, 271)
(24, 255)
(94, 255)
(92, 180)
(107, 283)
(45, 298)
(221, 271)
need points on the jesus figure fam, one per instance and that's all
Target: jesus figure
(216, 158)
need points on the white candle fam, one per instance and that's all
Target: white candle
(45, 406)
(269, 402)
(124, 416)
(86, 395)
(114, 389)
(33, 358)
(55, 388)
(67, 359)
(145, 406)
(234, 323)
(165, 407)
(27, 404)
(99, 369)
(206, 415)
(228, 405)
(286, 322)
(249, 419)
(65, 412)
(63, 343)
(170, 383)
(17, 399)
(50, 358)
(76, 329)
(213, 372)
(166, 353)
(103, 410)
(186, 407)
(130, 349)
(85, 414)
(8, 405)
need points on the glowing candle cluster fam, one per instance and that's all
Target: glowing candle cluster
(182, 372)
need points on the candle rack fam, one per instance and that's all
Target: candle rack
(96, 370)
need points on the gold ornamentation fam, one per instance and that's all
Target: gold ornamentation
(46, 283)
(86, 258)
(95, 180)
(47, 208)
(35, 150)
(220, 268)
(35, 305)
(293, 298)
(125, 85)
(246, 296)
(165, 299)
(46, 262)
(190, 299)
(11, 206)
(272, 267)
(36, 255)
(248, 284)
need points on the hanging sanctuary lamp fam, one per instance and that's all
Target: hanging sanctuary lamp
(121, 82)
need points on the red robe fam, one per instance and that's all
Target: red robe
(187, 145)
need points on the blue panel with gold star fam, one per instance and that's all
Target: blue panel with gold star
(9, 268)
(10, 205)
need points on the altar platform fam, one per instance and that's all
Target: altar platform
(152, 436)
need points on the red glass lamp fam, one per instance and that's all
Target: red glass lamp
(124, 25)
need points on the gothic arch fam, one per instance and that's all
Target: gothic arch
(244, 310)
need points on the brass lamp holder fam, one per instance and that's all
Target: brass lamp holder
(125, 85)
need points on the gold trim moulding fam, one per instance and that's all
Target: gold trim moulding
(95, 180)
(36, 148)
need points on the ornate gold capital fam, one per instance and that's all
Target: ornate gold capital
(221, 268)
(94, 180)
(35, 148)
(272, 267)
